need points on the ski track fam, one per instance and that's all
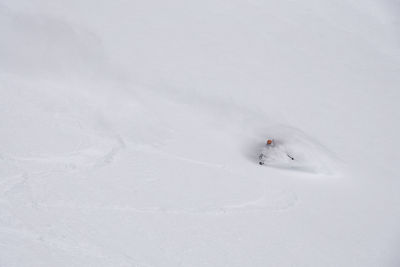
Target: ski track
(88, 158)
(151, 150)
(277, 201)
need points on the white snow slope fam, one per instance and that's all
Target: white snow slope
(130, 130)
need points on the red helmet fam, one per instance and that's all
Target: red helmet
(269, 142)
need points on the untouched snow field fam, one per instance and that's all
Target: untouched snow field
(130, 133)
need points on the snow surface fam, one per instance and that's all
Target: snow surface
(130, 133)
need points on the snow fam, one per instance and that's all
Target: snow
(130, 133)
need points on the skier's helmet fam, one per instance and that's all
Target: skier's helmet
(269, 142)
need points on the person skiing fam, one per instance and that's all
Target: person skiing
(262, 156)
(266, 150)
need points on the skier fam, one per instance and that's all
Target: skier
(266, 150)
(263, 155)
